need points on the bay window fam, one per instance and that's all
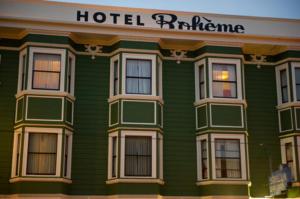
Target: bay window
(296, 80)
(283, 85)
(288, 154)
(297, 83)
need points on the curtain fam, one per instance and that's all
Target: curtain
(138, 157)
(46, 71)
(227, 158)
(42, 149)
(224, 80)
(138, 76)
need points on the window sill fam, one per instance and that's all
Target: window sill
(43, 92)
(126, 180)
(40, 179)
(220, 100)
(222, 182)
(135, 97)
(287, 104)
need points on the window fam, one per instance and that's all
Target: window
(297, 83)
(224, 81)
(288, 154)
(225, 78)
(16, 153)
(201, 82)
(46, 71)
(22, 70)
(70, 74)
(283, 86)
(200, 76)
(204, 159)
(296, 80)
(138, 76)
(114, 157)
(282, 82)
(138, 157)
(116, 77)
(67, 154)
(227, 158)
(42, 154)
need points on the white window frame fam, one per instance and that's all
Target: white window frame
(152, 58)
(199, 157)
(294, 66)
(59, 133)
(283, 153)
(242, 155)
(69, 160)
(197, 78)
(237, 63)
(21, 70)
(110, 149)
(159, 68)
(111, 88)
(153, 134)
(72, 83)
(278, 82)
(161, 159)
(61, 52)
(18, 132)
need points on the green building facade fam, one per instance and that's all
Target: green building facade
(102, 102)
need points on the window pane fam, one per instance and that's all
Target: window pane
(66, 155)
(114, 157)
(227, 154)
(69, 74)
(298, 91)
(297, 75)
(23, 72)
(201, 82)
(116, 77)
(138, 157)
(284, 92)
(46, 71)
(201, 91)
(204, 159)
(224, 72)
(138, 76)
(42, 154)
(224, 89)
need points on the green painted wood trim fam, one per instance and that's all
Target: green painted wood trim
(138, 112)
(286, 121)
(201, 112)
(226, 115)
(114, 113)
(69, 106)
(20, 109)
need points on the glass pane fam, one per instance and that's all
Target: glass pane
(201, 93)
(289, 152)
(283, 78)
(298, 92)
(46, 62)
(46, 80)
(132, 85)
(201, 73)
(144, 86)
(223, 72)
(138, 158)
(224, 89)
(284, 94)
(138, 68)
(297, 75)
(42, 149)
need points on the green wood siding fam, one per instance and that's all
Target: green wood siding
(286, 120)
(138, 112)
(44, 108)
(226, 115)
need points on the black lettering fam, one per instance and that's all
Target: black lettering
(239, 29)
(210, 27)
(224, 28)
(160, 19)
(115, 17)
(101, 15)
(80, 15)
(138, 21)
(128, 19)
(182, 24)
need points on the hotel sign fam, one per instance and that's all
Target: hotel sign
(163, 20)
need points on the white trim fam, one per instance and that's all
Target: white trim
(57, 131)
(61, 52)
(161, 157)
(223, 182)
(112, 72)
(160, 77)
(284, 66)
(238, 65)
(43, 125)
(72, 111)
(109, 114)
(72, 83)
(17, 133)
(155, 116)
(152, 58)
(242, 115)
(34, 92)
(196, 109)
(294, 66)
(135, 97)
(138, 181)
(279, 120)
(110, 149)
(242, 155)
(199, 157)
(17, 109)
(153, 135)
(22, 53)
(69, 160)
(295, 120)
(39, 179)
(197, 78)
(161, 115)
(298, 149)
(283, 153)
(41, 96)
(221, 100)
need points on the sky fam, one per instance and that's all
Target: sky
(264, 8)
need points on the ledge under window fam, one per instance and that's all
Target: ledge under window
(228, 182)
(39, 179)
(126, 180)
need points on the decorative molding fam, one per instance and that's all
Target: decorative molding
(222, 182)
(258, 59)
(126, 180)
(178, 55)
(93, 49)
(40, 179)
